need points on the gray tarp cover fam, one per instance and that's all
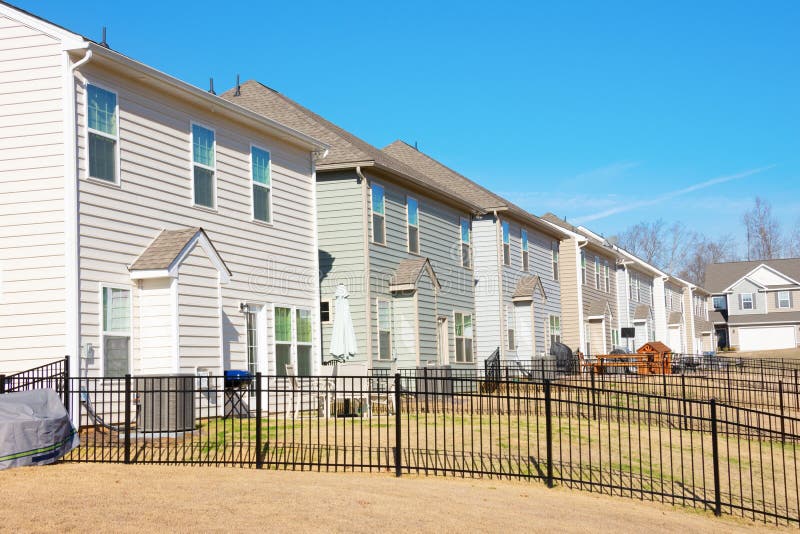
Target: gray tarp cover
(35, 429)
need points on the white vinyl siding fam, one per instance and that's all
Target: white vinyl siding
(204, 166)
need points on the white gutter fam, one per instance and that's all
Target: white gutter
(72, 326)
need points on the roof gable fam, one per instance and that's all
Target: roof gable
(526, 287)
(408, 273)
(164, 255)
(720, 276)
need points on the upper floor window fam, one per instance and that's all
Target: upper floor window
(378, 215)
(261, 169)
(555, 329)
(720, 303)
(784, 299)
(466, 243)
(639, 285)
(607, 274)
(463, 331)
(412, 213)
(103, 129)
(204, 166)
(510, 327)
(554, 248)
(597, 272)
(634, 287)
(525, 250)
(583, 267)
(384, 330)
(746, 301)
(506, 244)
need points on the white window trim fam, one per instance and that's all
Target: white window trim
(253, 183)
(550, 331)
(408, 224)
(503, 226)
(456, 336)
(213, 169)
(461, 243)
(294, 343)
(607, 276)
(752, 301)
(372, 214)
(597, 280)
(554, 257)
(260, 312)
(378, 302)
(117, 158)
(788, 300)
(102, 332)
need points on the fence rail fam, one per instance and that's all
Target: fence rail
(686, 443)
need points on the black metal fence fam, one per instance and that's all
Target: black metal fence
(582, 431)
(54, 375)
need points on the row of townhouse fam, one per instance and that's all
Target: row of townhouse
(153, 227)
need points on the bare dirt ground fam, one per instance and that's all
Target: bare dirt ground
(119, 498)
(783, 353)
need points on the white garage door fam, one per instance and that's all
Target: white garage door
(766, 338)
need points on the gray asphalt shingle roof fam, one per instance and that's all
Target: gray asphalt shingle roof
(526, 286)
(164, 249)
(720, 276)
(641, 313)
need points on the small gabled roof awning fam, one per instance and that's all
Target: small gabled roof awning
(599, 309)
(675, 318)
(641, 313)
(165, 254)
(409, 271)
(526, 287)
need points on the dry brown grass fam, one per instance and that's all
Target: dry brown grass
(71, 497)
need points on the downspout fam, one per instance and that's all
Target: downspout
(72, 328)
(500, 290)
(367, 276)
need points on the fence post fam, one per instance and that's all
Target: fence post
(542, 366)
(127, 418)
(259, 458)
(548, 419)
(594, 397)
(2, 383)
(398, 434)
(715, 456)
(66, 384)
(425, 387)
(780, 401)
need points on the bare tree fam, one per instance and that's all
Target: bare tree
(793, 246)
(764, 240)
(706, 251)
(643, 240)
(678, 245)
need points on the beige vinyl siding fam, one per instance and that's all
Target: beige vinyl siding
(592, 295)
(759, 299)
(199, 318)
(269, 263)
(569, 275)
(772, 304)
(32, 287)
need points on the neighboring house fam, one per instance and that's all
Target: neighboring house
(399, 242)
(756, 303)
(588, 289)
(516, 258)
(699, 327)
(677, 334)
(146, 224)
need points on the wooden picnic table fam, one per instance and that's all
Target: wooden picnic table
(644, 363)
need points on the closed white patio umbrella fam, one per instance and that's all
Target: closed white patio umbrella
(343, 338)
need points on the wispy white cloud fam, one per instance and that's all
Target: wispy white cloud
(635, 205)
(614, 170)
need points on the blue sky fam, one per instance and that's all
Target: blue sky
(608, 113)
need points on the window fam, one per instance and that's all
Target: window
(103, 128)
(554, 249)
(630, 285)
(506, 244)
(204, 165)
(525, 250)
(412, 212)
(384, 330)
(639, 285)
(583, 267)
(378, 215)
(252, 341)
(597, 272)
(555, 329)
(720, 302)
(283, 340)
(634, 287)
(746, 301)
(325, 312)
(784, 300)
(466, 240)
(304, 363)
(607, 275)
(463, 329)
(614, 337)
(261, 174)
(510, 327)
(116, 331)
